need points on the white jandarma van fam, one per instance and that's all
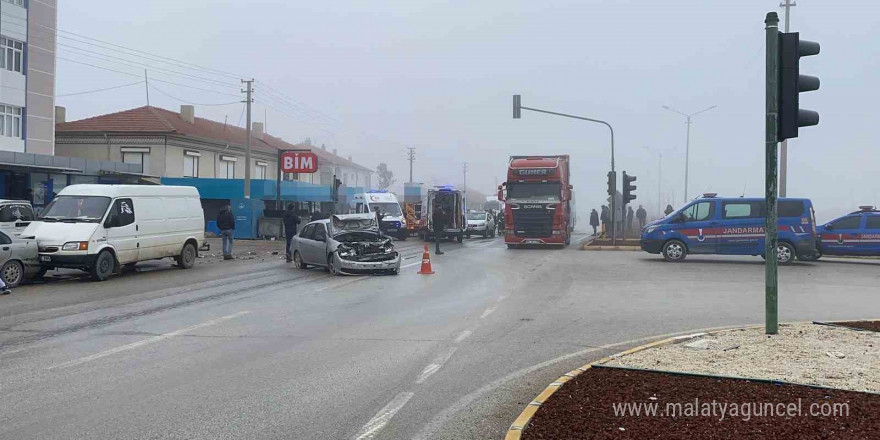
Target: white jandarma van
(102, 228)
(393, 220)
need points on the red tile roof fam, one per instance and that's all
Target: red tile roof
(155, 120)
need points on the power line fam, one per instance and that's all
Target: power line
(188, 102)
(99, 90)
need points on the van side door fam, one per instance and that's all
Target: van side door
(700, 227)
(742, 227)
(122, 230)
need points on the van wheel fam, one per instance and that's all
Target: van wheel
(674, 251)
(13, 273)
(785, 253)
(103, 267)
(187, 257)
(298, 261)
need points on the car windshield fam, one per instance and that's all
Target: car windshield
(534, 191)
(76, 208)
(387, 208)
(476, 216)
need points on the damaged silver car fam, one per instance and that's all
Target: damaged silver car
(350, 243)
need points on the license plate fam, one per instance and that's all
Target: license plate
(45, 258)
(531, 241)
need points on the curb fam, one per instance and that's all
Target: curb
(516, 428)
(610, 248)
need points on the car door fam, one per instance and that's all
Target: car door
(303, 241)
(700, 227)
(5, 248)
(870, 238)
(122, 230)
(841, 236)
(319, 245)
(742, 227)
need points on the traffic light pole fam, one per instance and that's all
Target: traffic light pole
(771, 298)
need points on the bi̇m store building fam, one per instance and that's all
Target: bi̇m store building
(182, 149)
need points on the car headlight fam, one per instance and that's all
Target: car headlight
(650, 229)
(345, 252)
(75, 246)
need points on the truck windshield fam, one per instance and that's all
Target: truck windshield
(534, 191)
(76, 208)
(387, 208)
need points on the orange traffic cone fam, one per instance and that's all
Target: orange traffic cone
(426, 263)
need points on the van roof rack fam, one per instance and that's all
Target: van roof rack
(710, 195)
(866, 208)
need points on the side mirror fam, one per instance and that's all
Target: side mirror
(829, 227)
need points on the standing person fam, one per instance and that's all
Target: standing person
(291, 221)
(379, 217)
(438, 219)
(226, 224)
(642, 215)
(668, 210)
(629, 218)
(594, 220)
(606, 217)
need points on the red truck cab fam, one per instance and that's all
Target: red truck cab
(538, 201)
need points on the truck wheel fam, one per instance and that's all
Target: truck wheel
(103, 267)
(187, 257)
(12, 272)
(785, 253)
(674, 251)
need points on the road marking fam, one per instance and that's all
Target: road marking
(433, 367)
(488, 312)
(411, 264)
(383, 416)
(463, 335)
(152, 340)
(344, 283)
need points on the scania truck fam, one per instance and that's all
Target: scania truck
(538, 201)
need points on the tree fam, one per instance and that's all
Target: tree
(385, 176)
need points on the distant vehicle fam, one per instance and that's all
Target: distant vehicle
(482, 223)
(413, 213)
(452, 200)
(732, 226)
(15, 216)
(18, 259)
(101, 228)
(538, 201)
(394, 222)
(347, 243)
(857, 233)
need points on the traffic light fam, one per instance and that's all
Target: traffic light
(628, 188)
(336, 184)
(516, 106)
(791, 83)
(612, 183)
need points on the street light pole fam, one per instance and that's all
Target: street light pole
(659, 178)
(687, 150)
(516, 114)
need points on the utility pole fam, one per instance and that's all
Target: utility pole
(783, 151)
(247, 154)
(411, 156)
(687, 151)
(659, 180)
(464, 170)
(147, 87)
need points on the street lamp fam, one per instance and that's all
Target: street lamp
(517, 112)
(688, 143)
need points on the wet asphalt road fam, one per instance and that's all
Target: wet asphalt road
(258, 349)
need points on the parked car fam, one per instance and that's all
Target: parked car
(482, 223)
(18, 259)
(857, 233)
(15, 216)
(101, 228)
(350, 243)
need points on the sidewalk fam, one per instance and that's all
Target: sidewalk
(244, 251)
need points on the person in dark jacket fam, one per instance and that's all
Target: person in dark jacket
(668, 210)
(594, 220)
(379, 217)
(291, 221)
(606, 219)
(630, 214)
(642, 215)
(439, 220)
(226, 224)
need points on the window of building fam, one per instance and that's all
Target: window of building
(191, 164)
(260, 170)
(226, 167)
(137, 155)
(15, 2)
(10, 121)
(12, 58)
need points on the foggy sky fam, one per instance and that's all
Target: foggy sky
(439, 75)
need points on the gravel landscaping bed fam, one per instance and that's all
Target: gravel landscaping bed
(584, 408)
(811, 354)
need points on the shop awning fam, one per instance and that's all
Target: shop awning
(40, 168)
(143, 178)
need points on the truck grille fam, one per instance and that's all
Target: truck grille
(532, 222)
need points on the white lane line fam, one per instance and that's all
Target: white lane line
(383, 416)
(463, 335)
(411, 264)
(152, 340)
(344, 283)
(488, 312)
(434, 366)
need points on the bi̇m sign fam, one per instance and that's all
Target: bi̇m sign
(299, 162)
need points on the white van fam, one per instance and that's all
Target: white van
(102, 228)
(393, 220)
